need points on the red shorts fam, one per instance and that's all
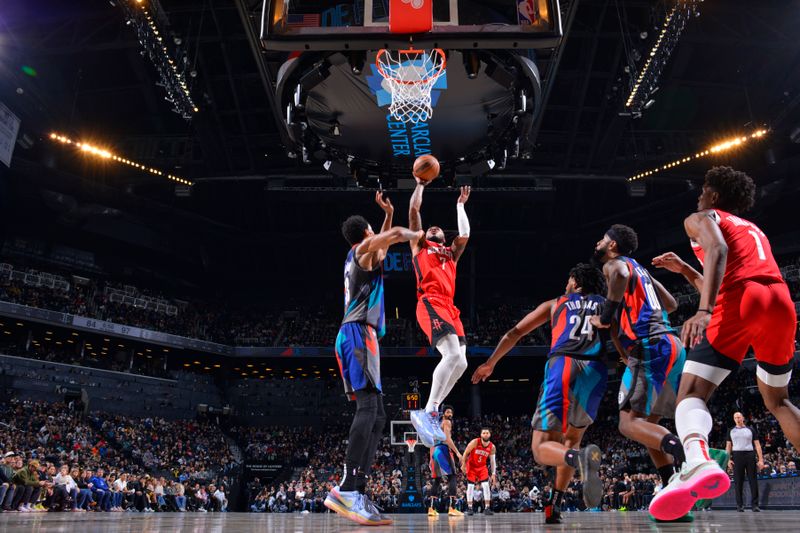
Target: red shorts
(439, 317)
(477, 476)
(751, 314)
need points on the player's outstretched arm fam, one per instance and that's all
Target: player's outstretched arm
(705, 232)
(372, 250)
(460, 242)
(414, 216)
(672, 262)
(532, 320)
(616, 278)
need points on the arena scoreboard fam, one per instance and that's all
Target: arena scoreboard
(409, 401)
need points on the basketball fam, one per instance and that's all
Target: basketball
(426, 168)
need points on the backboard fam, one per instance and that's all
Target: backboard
(323, 25)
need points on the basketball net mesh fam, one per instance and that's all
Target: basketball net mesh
(410, 76)
(411, 443)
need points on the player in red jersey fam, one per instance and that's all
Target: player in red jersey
(435, 269)
(744, 303)
(473, 464)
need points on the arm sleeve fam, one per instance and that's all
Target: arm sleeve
(494, 464)
(463, 221)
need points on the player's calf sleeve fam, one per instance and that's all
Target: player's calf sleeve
(470, 492)
(451, 486)
(450, 364)
(359, 437)
(487, 494)
(692, 418)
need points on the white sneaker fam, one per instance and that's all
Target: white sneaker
(696, 481)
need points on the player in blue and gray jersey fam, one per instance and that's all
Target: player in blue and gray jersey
(358, 356)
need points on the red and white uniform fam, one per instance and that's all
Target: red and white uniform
(754, 307)
(435, 270)
(477, 470)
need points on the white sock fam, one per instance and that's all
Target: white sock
(692, 418)
(447, 372)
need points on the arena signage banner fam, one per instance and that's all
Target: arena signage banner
(775, 493)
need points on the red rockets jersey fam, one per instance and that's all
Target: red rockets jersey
(749, 252)
(436, 271)
(479, 457)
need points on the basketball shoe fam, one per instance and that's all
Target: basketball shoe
(589, 460)
(428, 426)
(350, 504)
(694, 481)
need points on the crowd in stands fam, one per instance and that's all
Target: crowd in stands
(627, 473)
(54, 457)
(292, 325)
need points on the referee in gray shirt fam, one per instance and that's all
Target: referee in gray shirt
(743, 442)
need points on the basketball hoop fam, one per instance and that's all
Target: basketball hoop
(410, 76)
(411, 443)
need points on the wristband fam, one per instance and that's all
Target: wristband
(609, 312)
(709, 311)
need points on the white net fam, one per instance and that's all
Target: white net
(409, 76)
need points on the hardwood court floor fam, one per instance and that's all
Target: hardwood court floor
(609, 522)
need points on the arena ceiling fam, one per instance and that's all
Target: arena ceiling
(735, 68)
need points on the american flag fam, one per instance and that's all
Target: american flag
(303, 21)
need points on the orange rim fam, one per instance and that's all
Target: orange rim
(410, 51)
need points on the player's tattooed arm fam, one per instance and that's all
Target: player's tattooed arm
(703, 230)
(414, 217)
(460, 242)
(672, 262)
(532, 320)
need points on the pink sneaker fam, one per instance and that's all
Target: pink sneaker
(696, 481)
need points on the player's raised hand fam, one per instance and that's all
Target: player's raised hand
(383, 201)
(482, 373)
(464, 196)
(669, 261)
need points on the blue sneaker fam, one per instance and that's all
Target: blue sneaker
(436, 421)
(422, 423)
(351, 505)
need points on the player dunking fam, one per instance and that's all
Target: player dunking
(358, 355)
(442, 464)
(479, 452)
(653, 354)
(435, 269)
(574, 383)
(744, 303)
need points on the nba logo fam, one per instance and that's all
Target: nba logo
(526, 12)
